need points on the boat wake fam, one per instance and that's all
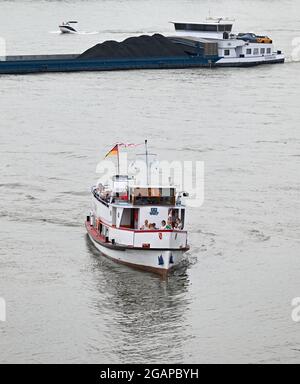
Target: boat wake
(75, 33)
(38, 219)
(292, 60)
(87, 33)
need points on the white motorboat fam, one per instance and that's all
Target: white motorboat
(68, 27)
(140, 226)
(235, 50)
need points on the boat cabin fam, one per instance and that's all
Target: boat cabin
(148, 204)
(129, 207)
(164, 196)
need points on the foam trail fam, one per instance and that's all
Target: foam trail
(76, 33)
(88, 33)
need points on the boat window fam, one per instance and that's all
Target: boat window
(126, 220)
(182, 217)
(249, 51)
(262, 51)
(256, 51)
(154, 192)
(167, 192)
(268, 50)
(227, 52)
(152, 196)
(141, 192)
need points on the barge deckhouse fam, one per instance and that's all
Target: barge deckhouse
(234, 49)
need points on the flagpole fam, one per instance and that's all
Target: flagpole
(118, 160)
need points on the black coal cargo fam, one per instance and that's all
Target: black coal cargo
(139, 47)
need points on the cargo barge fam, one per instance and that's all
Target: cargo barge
(143, 52)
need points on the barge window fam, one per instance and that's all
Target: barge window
(207, 27)
(262, 51)
(268, 50)
(256, 51)
(224, 28)
(196, 27)
(227, 52)
(249, 51)
(179, 26)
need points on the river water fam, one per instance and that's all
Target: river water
(232, 301)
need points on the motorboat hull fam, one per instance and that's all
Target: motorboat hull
(67, 29)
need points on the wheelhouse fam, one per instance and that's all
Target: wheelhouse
(163, 196)
(204, 27)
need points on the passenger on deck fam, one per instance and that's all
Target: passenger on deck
(145, 227)
(169, 225)
(163, 225)
(179, 224)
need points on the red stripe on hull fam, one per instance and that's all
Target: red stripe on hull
(101, 239)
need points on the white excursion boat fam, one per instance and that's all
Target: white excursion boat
(235, 50)
(68, 27)
(140, 226)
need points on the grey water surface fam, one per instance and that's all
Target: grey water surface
(232, 301)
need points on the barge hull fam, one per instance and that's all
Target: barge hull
(251, 62)
(24, 66)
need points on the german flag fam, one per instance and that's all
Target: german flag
(113, 152)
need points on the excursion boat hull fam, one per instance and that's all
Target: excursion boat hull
(159, 261)
(250, 61)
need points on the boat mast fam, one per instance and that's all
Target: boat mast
(147, 162)
(146, 155)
